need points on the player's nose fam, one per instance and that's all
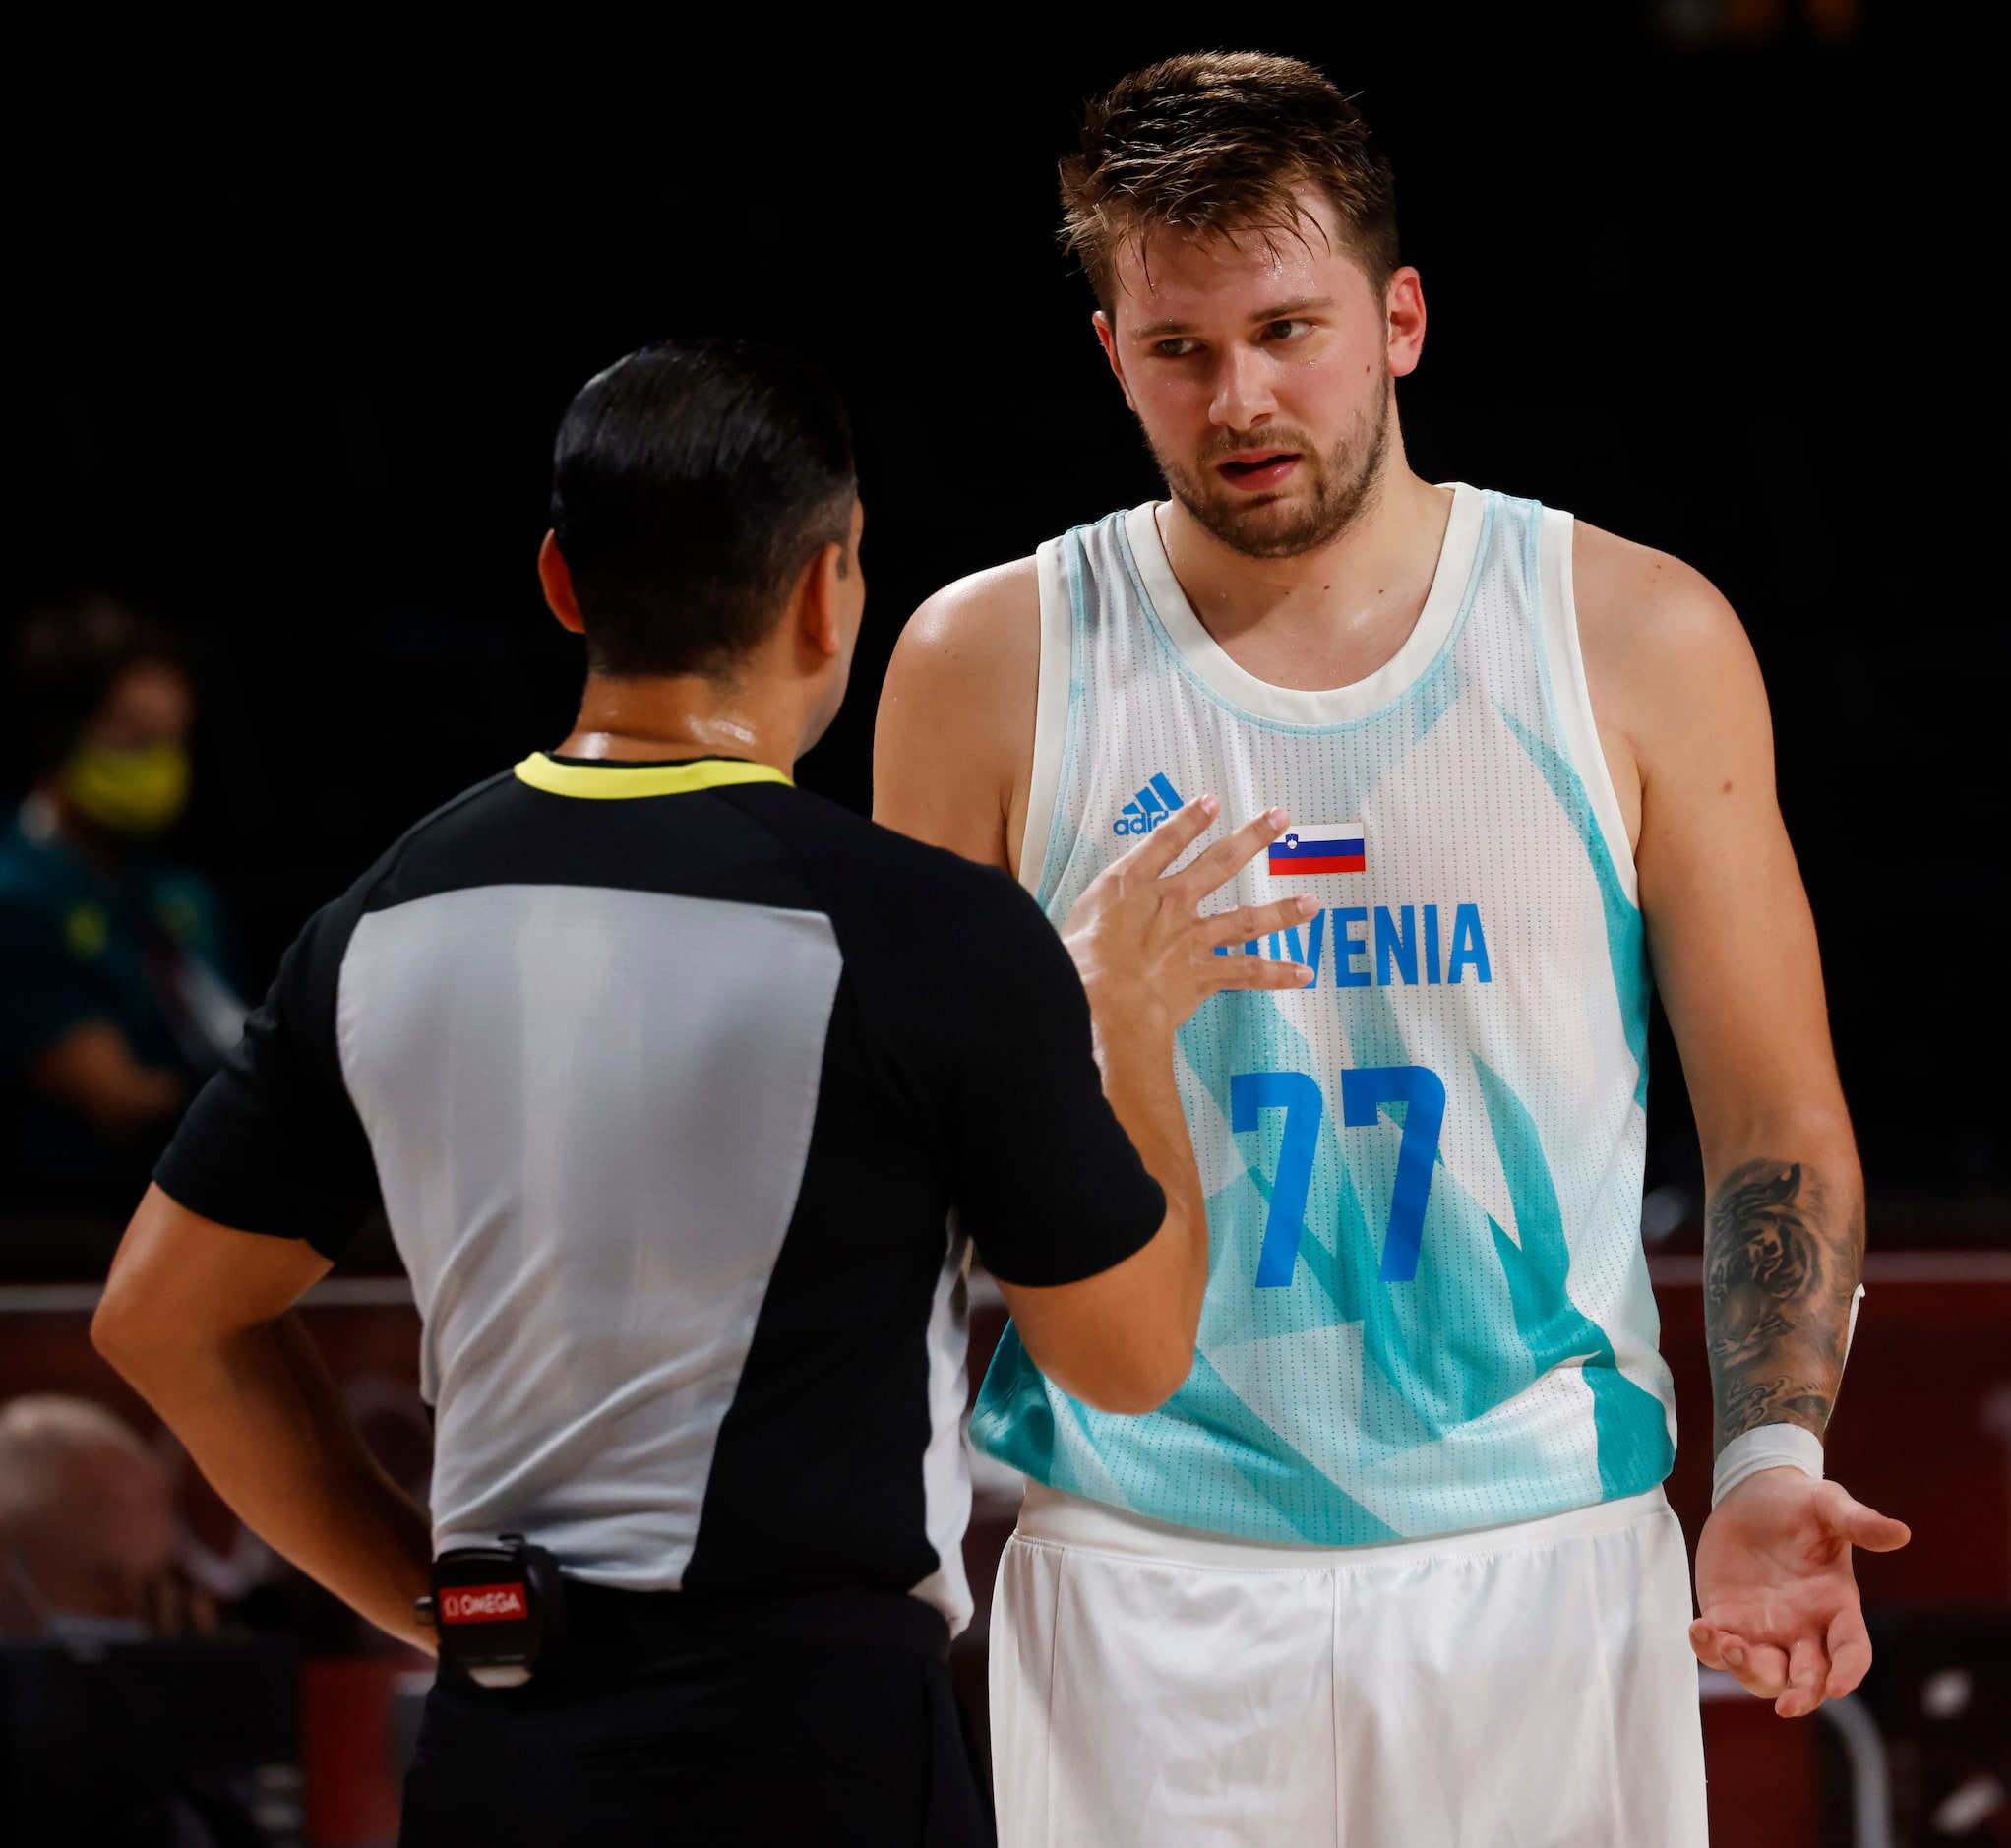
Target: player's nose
(1243, 398)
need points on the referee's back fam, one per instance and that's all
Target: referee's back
(669, 1075)
(686, 1096)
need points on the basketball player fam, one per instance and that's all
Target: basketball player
(1394, 1566)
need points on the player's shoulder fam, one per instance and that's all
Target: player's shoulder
(953, 743)
(981, 632)
(1626, 591)
(1657, 635)
(972, 607)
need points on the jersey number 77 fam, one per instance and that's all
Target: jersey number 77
(1363, 1091)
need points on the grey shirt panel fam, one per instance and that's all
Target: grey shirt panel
(589, 1111)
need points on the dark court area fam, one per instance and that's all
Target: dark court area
(295, 300)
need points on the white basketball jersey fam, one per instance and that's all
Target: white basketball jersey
(1427, 1307)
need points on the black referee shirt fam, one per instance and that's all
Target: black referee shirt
(685, 1094)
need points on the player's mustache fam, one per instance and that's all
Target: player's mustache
(1227, 443)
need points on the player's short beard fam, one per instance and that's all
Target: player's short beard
(1347, 478)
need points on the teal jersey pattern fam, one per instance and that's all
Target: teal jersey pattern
(1428, 1305)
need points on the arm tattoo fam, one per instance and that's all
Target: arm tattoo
(1777, 1283)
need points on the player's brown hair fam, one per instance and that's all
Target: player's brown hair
(1217, 142)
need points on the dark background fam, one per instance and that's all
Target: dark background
(295, 298)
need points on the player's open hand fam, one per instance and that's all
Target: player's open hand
(1778, 1598)
(1145, 950)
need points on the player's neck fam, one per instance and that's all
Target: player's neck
(1325, 618)
(688, 715)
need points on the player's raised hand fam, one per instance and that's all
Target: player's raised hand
(1778, 1599)
(1145, 948)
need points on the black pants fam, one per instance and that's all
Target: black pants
(654, 1730)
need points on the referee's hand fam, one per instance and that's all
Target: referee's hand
(1142, 942)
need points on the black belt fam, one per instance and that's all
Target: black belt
(503, 1611)
(604, 1618)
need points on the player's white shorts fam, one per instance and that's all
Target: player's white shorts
(1528, 1686)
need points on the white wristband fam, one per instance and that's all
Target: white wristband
(1765, 1447)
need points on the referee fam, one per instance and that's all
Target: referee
(685, 1096)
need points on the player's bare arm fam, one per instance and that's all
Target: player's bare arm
(953, 749)
(1683, 723)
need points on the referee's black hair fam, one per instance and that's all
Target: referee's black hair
(691, 482)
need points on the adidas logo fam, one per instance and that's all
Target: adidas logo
(1147, 809)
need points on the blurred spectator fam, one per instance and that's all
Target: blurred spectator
(182, 1742)
(113, 1003)
(87, 1529)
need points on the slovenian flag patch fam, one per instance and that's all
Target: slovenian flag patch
(1326, 847)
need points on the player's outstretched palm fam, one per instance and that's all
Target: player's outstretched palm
(1138, 935)
(1778, 1599)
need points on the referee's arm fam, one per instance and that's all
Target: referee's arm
(197, 1312)
(1107, 1306)
(199, 1317)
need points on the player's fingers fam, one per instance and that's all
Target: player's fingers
(1706, 1641)
(1261, 972)
(1758, 1667)
(1850, 1652)
(1720, 1648)
(1762, 1667)
(1150, 858)
(1807, 1672)
(1249, 922)
(1230, 855)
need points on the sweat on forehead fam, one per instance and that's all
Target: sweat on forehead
(1248, 269)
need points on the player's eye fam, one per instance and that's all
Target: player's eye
(1287, 329)
(1177, 348)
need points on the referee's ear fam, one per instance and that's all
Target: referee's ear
(557, 577)
(829, 597)
(825, 612)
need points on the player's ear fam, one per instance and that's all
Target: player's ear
(557, 577)
(1107, 337)
(1404, 305)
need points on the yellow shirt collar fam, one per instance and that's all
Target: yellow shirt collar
(613, 781)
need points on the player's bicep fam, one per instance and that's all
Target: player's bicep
(1729, 932)
(923, 786)
(954, 732)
